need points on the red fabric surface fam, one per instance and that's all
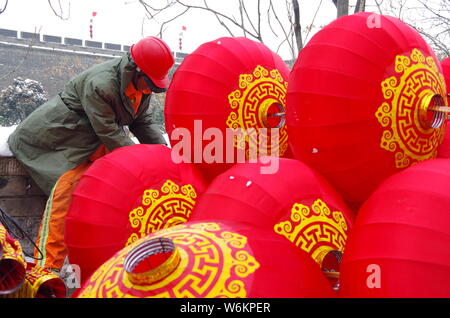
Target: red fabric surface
(98, 222)
(201, 86)
(244, 194)
(444, 148)
(404, 229)
(335, 91)
(266, 265)
(445, 63)
(269, 201)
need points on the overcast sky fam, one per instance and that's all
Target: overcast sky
(121, 21)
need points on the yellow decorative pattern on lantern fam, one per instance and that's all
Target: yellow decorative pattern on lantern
(406, 97)
(36, 276)
(249, 105)
(316, 230)
(10, 248)
(215, 262)
(164, 208)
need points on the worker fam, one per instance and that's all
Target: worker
(60, 139)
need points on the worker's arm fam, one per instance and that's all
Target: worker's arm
(146, 131)
(102, 117)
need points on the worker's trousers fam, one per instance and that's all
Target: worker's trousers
(50, 239)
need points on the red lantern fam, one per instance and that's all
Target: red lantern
(40, 283)
(124, 196)
(358, 102)
(288, 198)
(12, 263)
(444, 149)
(229, 85)
(208, 260)
(399, 245)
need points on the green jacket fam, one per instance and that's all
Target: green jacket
(91, 110)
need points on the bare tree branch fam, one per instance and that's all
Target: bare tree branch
(378, 4)
(253, 34)
(248, 17)
(161, 30)
(281, 44)
(259, 21)
(60, 14)
(241, 12)
(437, 14)
(269, 19)
(286, 35)
(152, 11)
(4, 7)
(312, 22)
(219, 20)
(430, 18)
(291, 34)
(148, 6)
(442, 48)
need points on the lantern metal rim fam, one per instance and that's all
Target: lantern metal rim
(144, 251)
(439, 110)
(265, 116)
(332, 274)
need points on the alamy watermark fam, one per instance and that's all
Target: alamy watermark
(374, 21)
(71, 275)
(235, 146)
(374, 278)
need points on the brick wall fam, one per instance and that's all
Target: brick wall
(52, 68)
(52, 60)
(21, 198)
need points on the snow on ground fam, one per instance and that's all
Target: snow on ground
(4, 147)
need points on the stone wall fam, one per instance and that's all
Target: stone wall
(53, 68)
(52, 60)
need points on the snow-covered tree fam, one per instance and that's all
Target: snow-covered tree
(18, 100)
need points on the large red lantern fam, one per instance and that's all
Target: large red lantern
(358, 102)
(124, 196)
(220, 97)
(444, 148)
(399, 245)
(287, 197)
(12, 263)
(208, 260)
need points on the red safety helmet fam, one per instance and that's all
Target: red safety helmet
(153, 56)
